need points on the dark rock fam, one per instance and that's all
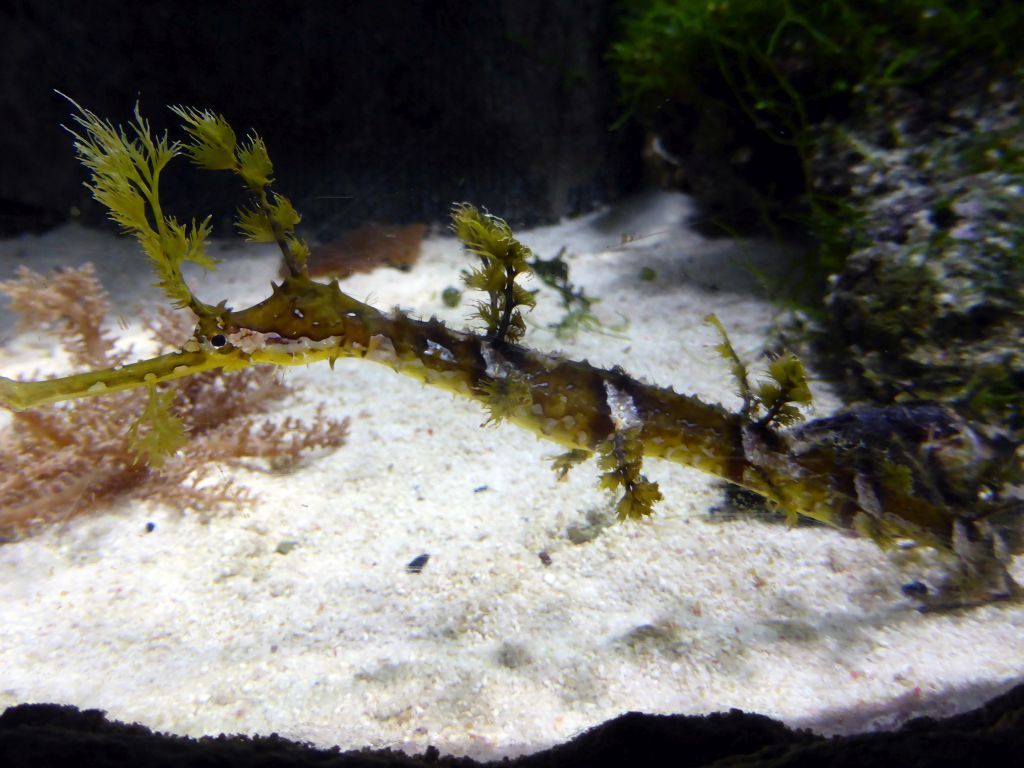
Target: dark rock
(43, 735)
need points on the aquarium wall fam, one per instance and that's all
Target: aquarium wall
(382, 112)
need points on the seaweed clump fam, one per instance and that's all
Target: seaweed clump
(736, 96)
(62, 460)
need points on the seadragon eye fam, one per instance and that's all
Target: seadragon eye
(218, 340)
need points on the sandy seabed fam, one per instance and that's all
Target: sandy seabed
(203, 627)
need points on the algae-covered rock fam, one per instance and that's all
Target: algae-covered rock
(889, 132)
(930, 302)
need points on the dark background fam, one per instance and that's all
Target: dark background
(373, 111)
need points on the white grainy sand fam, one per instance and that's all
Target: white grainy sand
(203, 628)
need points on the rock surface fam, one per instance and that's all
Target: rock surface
(41, 735)
(930, 302)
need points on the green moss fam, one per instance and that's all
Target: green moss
(790, 61)
(780, 69)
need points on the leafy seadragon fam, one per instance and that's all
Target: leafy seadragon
(912, 471)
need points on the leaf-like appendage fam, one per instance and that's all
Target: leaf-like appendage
(283, 213)
(503, 395)
(563, 462)
(299, 250)
(638, 500)
(157, 433)
(621, 457)
(213, 139)
(255, 165)
(487, 313)
(503, 259)
(126, 179)
(780, 397)
(256, 225)
(736, 366)
(783, 393)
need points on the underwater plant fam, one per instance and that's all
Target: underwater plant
(741, 94)
(909, 472)
(554, 273)
(61, 460)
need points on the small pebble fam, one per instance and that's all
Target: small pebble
(416, 564)
(914, 589)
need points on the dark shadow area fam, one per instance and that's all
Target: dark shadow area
(373, 112)
(41, 735)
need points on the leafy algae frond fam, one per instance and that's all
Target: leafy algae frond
(911, 471)
(503, 260)
(126, 167)
(621, 458)
(274, 218)
(157, 433)
(776, 401)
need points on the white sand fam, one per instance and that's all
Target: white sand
(204, 628)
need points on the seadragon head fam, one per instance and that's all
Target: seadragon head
(301, 321)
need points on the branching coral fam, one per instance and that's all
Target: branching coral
(63, 460)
